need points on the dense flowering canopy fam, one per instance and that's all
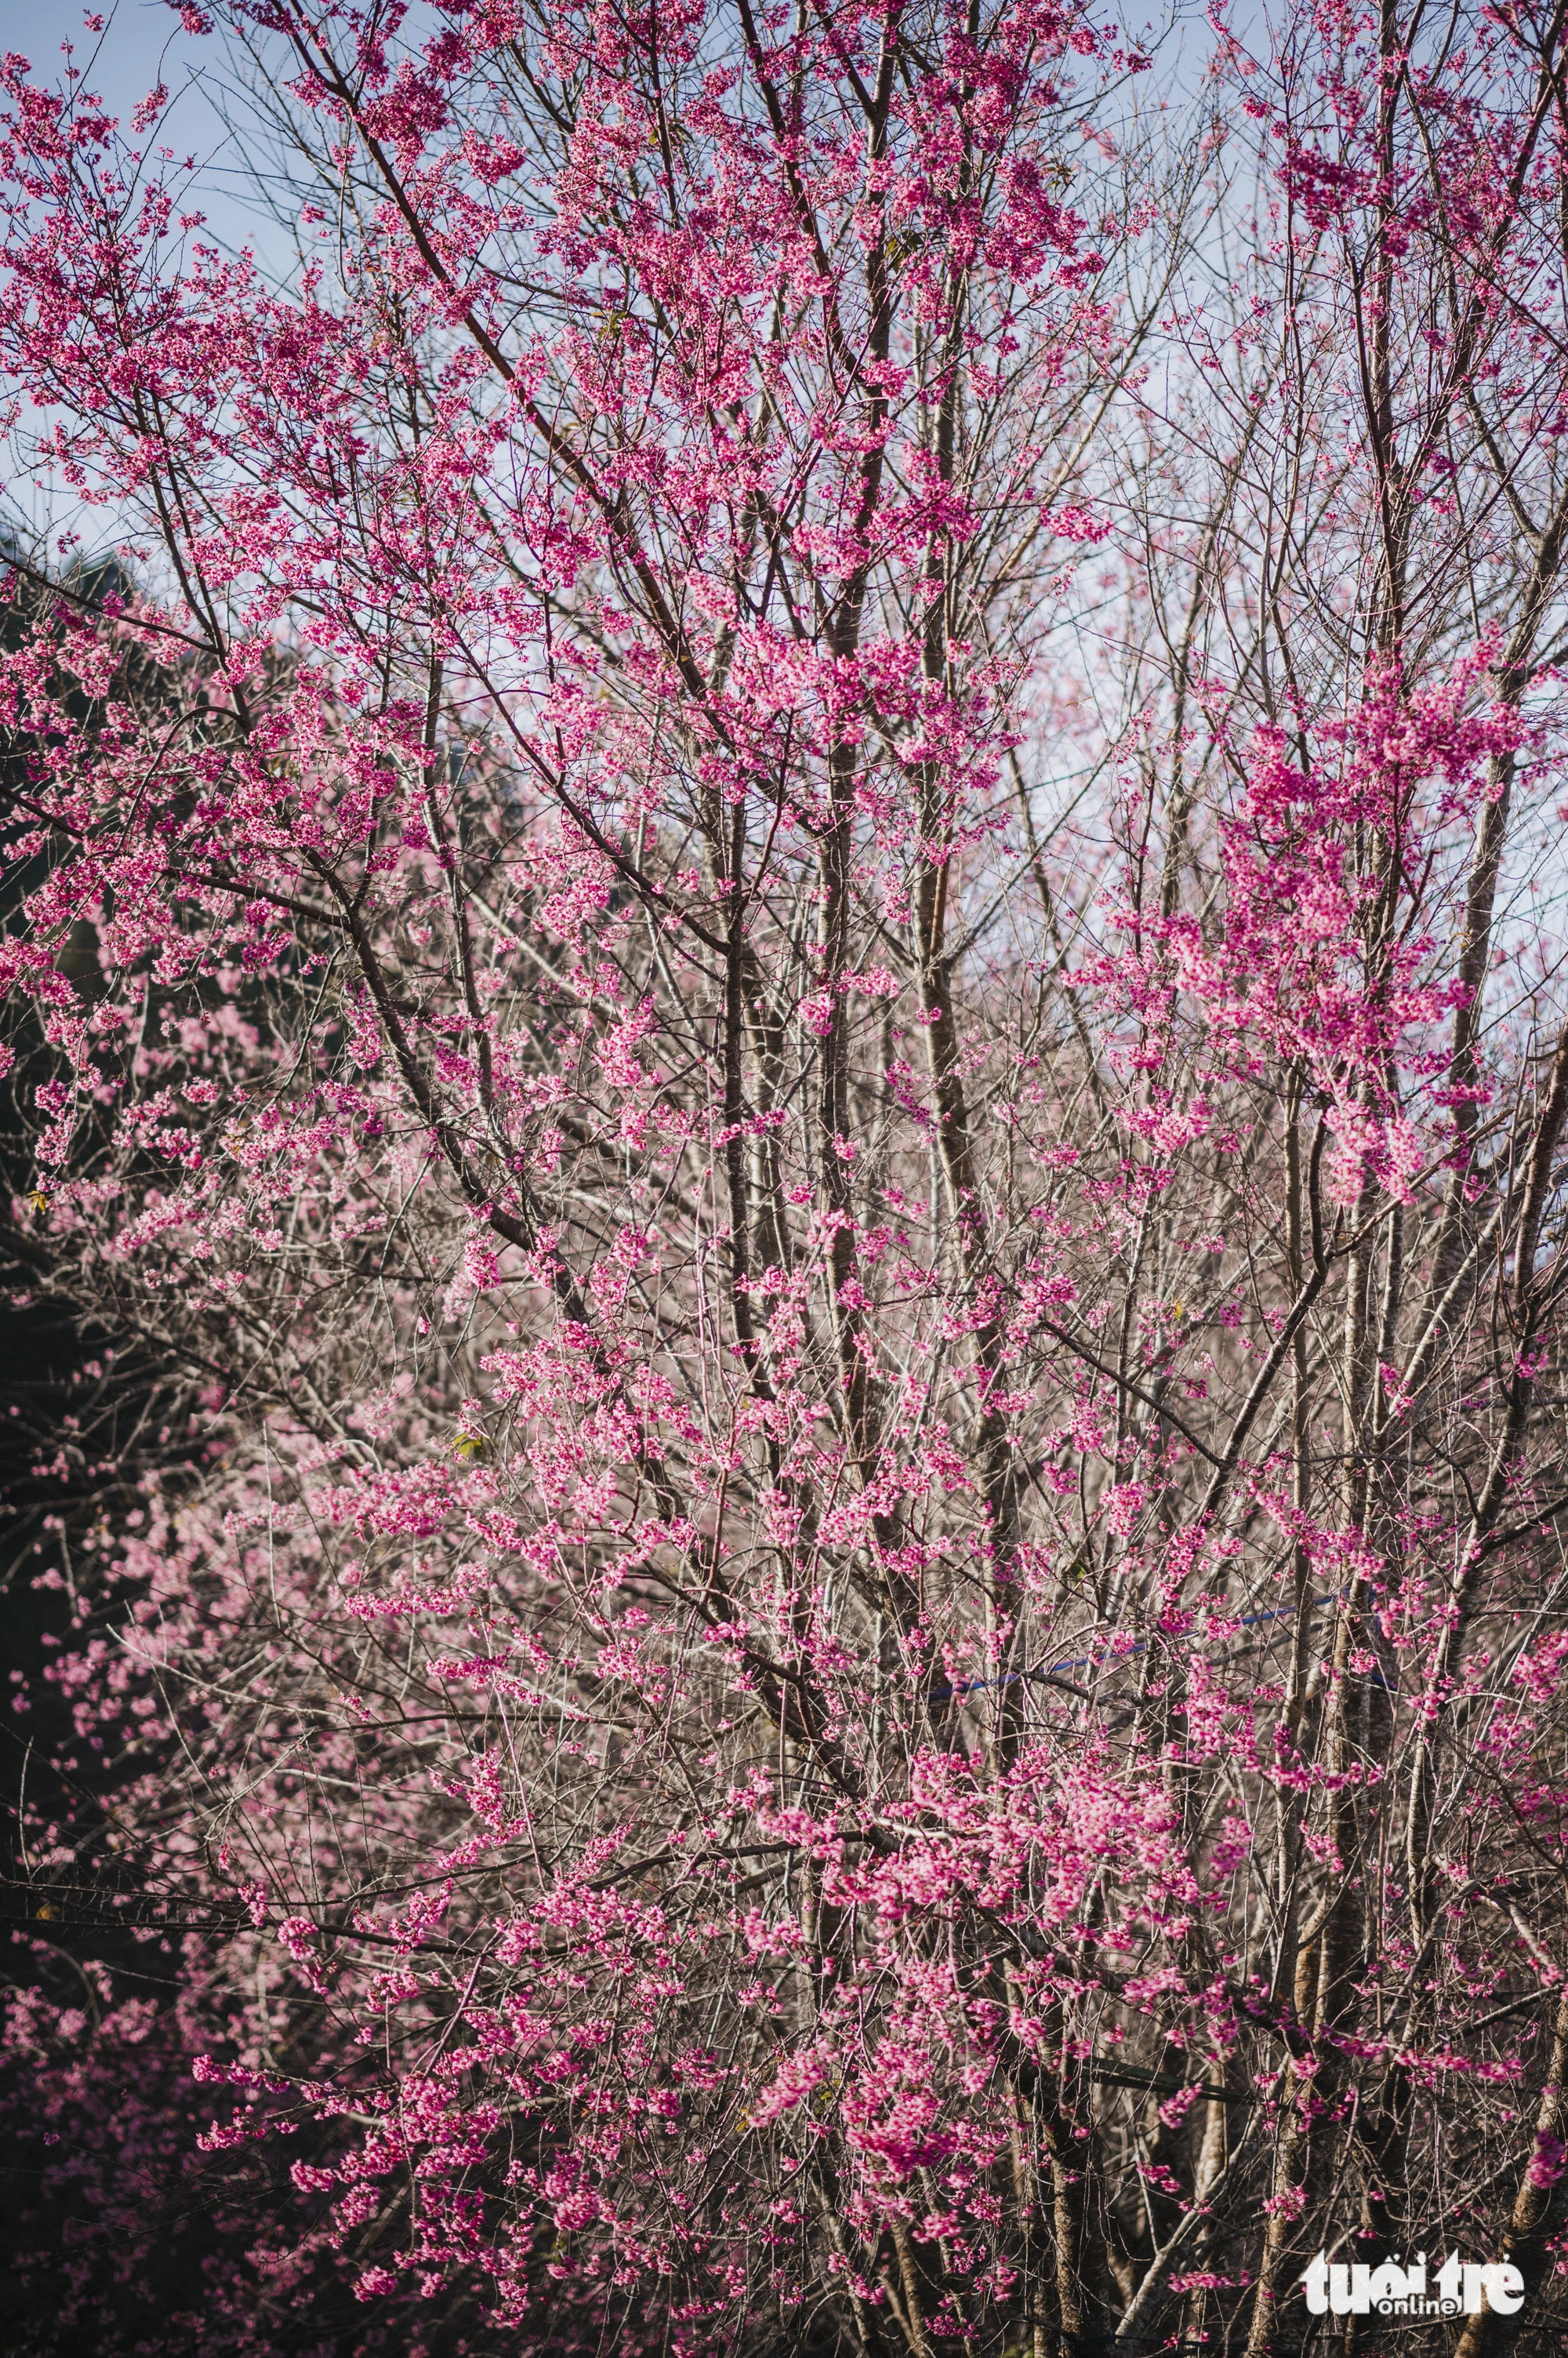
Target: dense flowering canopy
(759, 846)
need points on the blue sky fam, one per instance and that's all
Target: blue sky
(125, 59)
(143, 41)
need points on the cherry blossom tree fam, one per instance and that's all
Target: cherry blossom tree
(769, 844)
